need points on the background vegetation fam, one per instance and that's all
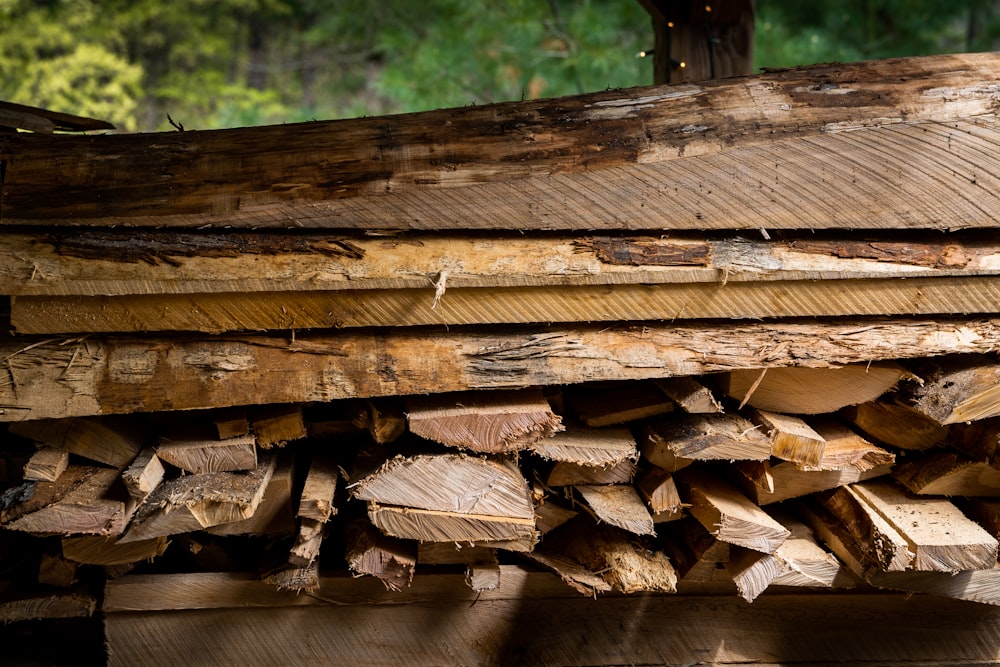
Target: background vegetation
(224, 63)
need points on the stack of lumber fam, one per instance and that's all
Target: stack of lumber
(714, 338)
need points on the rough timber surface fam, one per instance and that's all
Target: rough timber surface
(62, 377)
(531, 619)
(905, 143)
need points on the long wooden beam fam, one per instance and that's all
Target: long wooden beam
(269, 311)
(120, 262)
(58, 377)
(900, 143)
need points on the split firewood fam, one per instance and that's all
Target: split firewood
(114, 441)
(97, 550)
(275, 515)
(802, 561)
(676, 442)
(858, 534)
(452, 553)
(307, 544)
(956, 388)
(572, 474)
(197, 453)
(792, 439)
(618, 404)
(941, 538)
(695, 552)
(595, 447)
(573, 574)
(291, 578)
(45, 605)
(752, 571)
(514, 533)
(690, 395)
(56, 570)
(549, 516)
(979, 440)
(621, 558)
(985, 512)
(383, 418)
(483, 575)
(231, 423)
(896, 424)
(658, 489)
(489, 422)
(728, 514)
(618, 505)
(450, 483)
(144, 474)
(847, 458)
(946, 473)
(197, 502)
(46, 465)
(389, 559)
(316, 501)
(811, 391)
(276, 425)
(84, 500)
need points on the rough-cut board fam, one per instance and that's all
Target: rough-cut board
(941, 538)
(530, 619)
(100, 375)
(117, 262)
(812, 391)
(266, 311)
(897, 137)
(489, 422)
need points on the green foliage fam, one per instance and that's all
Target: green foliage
(224, 63)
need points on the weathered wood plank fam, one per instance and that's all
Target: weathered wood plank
(737, 153)
(264, 311)
(101, 375)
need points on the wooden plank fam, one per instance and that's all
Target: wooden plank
(57, 120)
(584, 162)
(47, 606)
(114, 262)
(490, 422)
(813, 391)
(803, 562)
(104, 375)
(268, 311)
(658, 488)
(528, 621)
(941, 538)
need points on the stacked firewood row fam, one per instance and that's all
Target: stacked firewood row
(600, 336)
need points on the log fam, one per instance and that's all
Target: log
(678, 441)
(196, 452)
(46, 465)
(693, 155)
(390, 560)
(489, 422)
(618, 505)
(594, 447)
(957, 389)
(941, 538)
(114, 441)
(98, 375)
(946, 473)
(727, 514)
(270, 311)
(196, 502)
(812, 391)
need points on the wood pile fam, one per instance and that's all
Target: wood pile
(729, 337)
